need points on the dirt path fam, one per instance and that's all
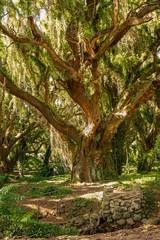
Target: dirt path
(141, 233)
(58, 211)
(51, 209)
(147, 233)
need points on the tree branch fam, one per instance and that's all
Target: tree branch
(99, 35)
(45, 110)
(73, 41)
(118, 32)
(39, 40)
(130, 93)
(46, 86)
(115, 13)
(124, 111)
(31, 126)
(2, 98)
(91, 4)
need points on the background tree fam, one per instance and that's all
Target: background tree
(147, 124)
(13, 131)
(106, 63)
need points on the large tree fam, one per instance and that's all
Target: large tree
(103, 54)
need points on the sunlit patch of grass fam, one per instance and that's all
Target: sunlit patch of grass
(151, 179)
(31, 179)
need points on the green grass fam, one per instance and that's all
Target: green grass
(51, 191)
(32, 179)
(151, 179)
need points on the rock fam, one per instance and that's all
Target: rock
(130, 221)
(138, 211)
(121, 222)
(143, 220)
(118, 209)
(106, 208)
(112, 210)
(128, 205)
(137, 218)
(151, 221)
(94, 219)
(111, 204)
(137, 200)
(136, 206)
(126, 215)
(109, 220)
(124, 209)
(106, 212)
(127, 227)
(122, 203)
(117, 215)
(79, 221)
(130, 209)
(105, 203)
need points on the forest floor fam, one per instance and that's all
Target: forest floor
(86, 198)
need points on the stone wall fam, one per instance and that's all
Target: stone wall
(119, 209)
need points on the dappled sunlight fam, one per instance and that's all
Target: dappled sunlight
(109, 184)
(96, 195)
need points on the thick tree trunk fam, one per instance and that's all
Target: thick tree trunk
(80, 167)
(3, 160)
(93, 162)
(118, 152)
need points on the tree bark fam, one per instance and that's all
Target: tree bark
(80, 166)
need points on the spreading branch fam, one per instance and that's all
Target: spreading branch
(20, 135)
(117, 33)
(39, 40)
(127, 109)
(45, 109)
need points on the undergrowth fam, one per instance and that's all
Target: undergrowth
(150, 205)
(80, 205)
(52, 191)
(16, 222)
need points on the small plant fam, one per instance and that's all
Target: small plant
(80, 205)
(3, 180)
(52, 191)
(36, 229)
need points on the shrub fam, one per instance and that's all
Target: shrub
(3, 180)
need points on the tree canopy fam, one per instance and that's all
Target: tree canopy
(86, 66)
